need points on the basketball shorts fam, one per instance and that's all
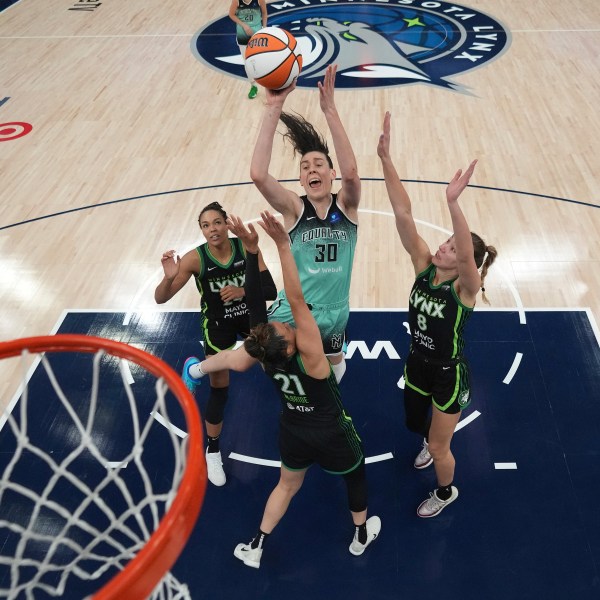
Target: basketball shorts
(446, 384)
(335, 449)
(331, 319)
(223, 334)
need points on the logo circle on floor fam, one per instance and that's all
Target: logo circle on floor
(374, 45)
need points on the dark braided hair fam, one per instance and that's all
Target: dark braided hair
(484, 257)
(266, 345)
(304, 137)
(213, 206)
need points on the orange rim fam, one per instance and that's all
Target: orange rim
(146, 569)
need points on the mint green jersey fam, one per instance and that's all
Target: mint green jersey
(324, 252)
(251, 14)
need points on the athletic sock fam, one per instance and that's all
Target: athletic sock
(213, 444)
(361, 531)
(259, 540)
(339, 370)
(196, 371)
(444, 492)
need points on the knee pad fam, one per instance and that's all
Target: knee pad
(215, 407)
(356, 483)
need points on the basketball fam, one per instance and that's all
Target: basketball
(272, 58)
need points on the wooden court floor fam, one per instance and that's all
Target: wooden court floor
(131, 135)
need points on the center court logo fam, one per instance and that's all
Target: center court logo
(375, 43)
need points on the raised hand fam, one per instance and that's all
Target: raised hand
(459, 183)
(383, 147)
(277, 97)
(248, 235)
(326, 89)
(274, 229)
(170, 263)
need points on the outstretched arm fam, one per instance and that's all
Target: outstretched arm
(254, 286)
(235, 360)
(177, 272)
(349, 195)
(281, 199)
(413, 243)
(469, 279)
(308, 336)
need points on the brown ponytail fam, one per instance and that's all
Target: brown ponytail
(266, 345)
(484, 258)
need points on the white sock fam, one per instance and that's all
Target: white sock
(339, 370)
(196, 371)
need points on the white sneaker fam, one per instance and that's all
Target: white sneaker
(214, 466)
(423, 459)
(248, 555)
(434, 506)
(373, 529)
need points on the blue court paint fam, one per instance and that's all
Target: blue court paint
(526, 532)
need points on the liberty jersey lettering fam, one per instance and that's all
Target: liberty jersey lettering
(324, 252)
(251, 14)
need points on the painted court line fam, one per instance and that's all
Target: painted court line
(463, 422)
(513, 369)
(163, 421)
(275, 463)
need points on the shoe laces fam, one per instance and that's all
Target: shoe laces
(424, 453)
(434, 502)
(213, 457)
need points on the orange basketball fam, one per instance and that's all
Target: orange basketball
(272, 58)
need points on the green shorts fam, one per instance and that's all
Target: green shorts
(331, 320)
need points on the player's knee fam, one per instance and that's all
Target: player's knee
(215, 407)
(356, 485)
(439, 450)
(415, 424)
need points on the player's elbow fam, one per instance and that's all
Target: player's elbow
(259, 176)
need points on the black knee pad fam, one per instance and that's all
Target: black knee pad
(215, 407)
(417, 410)
(356, 483)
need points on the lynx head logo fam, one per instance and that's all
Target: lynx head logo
(374, 44)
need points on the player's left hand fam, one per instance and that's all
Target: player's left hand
(247, 234)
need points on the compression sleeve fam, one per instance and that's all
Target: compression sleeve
(254, 291)
(268, 285)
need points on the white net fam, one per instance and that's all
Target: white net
(88, 471)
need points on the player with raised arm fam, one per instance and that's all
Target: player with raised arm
(218, 268)
(436, 373)
(322, 225)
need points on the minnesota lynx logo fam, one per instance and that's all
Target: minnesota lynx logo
(375, 43)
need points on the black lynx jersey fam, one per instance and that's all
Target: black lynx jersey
(437, 317)
(214, 276)
(308, 401)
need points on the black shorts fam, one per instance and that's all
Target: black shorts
(447, 384)
(336, 449)
(224, 333)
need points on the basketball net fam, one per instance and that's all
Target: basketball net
(68, 509)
